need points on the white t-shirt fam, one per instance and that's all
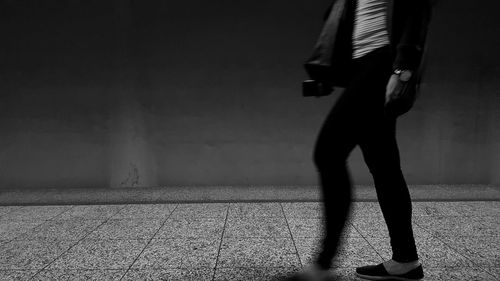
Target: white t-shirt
(370, 30)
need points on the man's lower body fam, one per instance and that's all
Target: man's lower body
(358, 118)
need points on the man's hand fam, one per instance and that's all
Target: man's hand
(393, 88)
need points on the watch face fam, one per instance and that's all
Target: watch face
(405, 76)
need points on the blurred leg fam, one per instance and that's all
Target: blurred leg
(333, 146)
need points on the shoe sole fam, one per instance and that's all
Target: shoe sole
(368, 277)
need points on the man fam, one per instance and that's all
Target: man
(373, 49)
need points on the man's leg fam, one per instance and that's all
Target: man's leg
(337, 138)
(335, 142)
(381, 154)
(376, 137)
(377, 140)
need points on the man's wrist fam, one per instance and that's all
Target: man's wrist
(404, 74)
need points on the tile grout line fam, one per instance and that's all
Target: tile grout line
(69, 248)
(439, 237)
(33, 228)
(52, 218)
(488, 271)
(291, 235)
(442, 240)
(147, 244)
(435, 235)
(362, 236)
(221, 239)
(14, 209)
(430, 233)
(30, 229)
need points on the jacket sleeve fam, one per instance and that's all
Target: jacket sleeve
(328, 10)
(412, 42)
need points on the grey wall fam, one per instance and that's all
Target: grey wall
(148, 93)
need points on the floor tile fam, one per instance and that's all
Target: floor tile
(493, 271)
(178, 253)
(352, 252)
(7, 209)
(35, 213)
(100, 254)
(473, 208)
(303, 209)
(184, 274)
(73, 229)
(200, 210)
(433, 253)
(136, 211)
(315, 227)
(31, 254)
(306, 227)
(127, 229)
(80, 274)
(490, 222)
(446, 225)
(191, 228)
(456, 273)
(254, 273)
(366, 209)
(308, 248)
(367, 226)
(454, 240)
(483, 251)
(12, 229)
(256, 252)
(272, 209)
(256, 227)
(91, 212)
(343, 274)
(432, 209)
(16, 275)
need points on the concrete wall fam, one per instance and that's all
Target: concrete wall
(149, 93)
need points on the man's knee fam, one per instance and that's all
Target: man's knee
(382, 161)
(328, 157)
(383, 168)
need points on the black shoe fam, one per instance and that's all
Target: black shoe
(378, 272)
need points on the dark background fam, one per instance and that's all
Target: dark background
(148, 93)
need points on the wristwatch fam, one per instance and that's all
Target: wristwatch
(404, 74)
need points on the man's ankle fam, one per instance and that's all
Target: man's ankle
(414, 262)
(394, 267)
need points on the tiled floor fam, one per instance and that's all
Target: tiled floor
(234, 241)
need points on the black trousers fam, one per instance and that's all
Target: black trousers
(358, 118)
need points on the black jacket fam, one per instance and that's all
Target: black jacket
(407, 24)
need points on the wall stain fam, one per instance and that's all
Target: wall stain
(132, 178)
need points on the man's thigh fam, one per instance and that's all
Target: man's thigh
(337, 136)
(379, 146)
